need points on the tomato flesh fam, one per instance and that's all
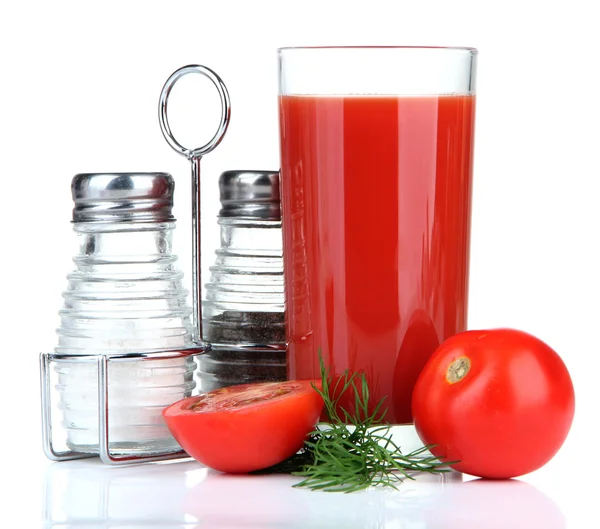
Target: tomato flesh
(499, 401)
(247, 427)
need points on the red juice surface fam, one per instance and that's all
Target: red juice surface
(376, 197)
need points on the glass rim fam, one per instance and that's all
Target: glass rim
(466, 49)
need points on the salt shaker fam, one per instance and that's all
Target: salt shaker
(243, 313)
(125, 297)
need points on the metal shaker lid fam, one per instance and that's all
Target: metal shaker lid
(250, 195)
(122, 197)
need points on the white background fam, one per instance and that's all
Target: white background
(79, 87)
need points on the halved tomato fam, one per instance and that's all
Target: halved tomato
(248, 427)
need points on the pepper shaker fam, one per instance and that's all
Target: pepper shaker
(244, 310)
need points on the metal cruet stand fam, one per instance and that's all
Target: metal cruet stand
(103, 361)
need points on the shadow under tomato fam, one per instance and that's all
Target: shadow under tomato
(494, 504)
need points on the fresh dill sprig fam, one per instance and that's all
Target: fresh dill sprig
(354, 451)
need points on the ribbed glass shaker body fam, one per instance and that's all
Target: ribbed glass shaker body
(244, 309)
(125, 295)
(244, 297)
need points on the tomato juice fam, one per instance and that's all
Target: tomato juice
(376, 198)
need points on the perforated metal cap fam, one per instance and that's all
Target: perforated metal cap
(122, 197)
(250, 194)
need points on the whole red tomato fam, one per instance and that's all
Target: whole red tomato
(499, 401)
(247, 427)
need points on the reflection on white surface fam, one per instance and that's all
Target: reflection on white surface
(83, 494)
(93, 495)
(269, 501)
(489, 504)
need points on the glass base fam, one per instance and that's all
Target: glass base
(405, 436)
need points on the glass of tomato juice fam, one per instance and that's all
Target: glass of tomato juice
(376, 177)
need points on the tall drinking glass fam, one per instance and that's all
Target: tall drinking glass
(376, 177)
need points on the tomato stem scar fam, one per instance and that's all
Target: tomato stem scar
(458, 369)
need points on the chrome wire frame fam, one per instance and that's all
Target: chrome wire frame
(102, 362)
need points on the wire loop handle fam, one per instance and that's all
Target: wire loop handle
(225, 111)
(194, 156)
